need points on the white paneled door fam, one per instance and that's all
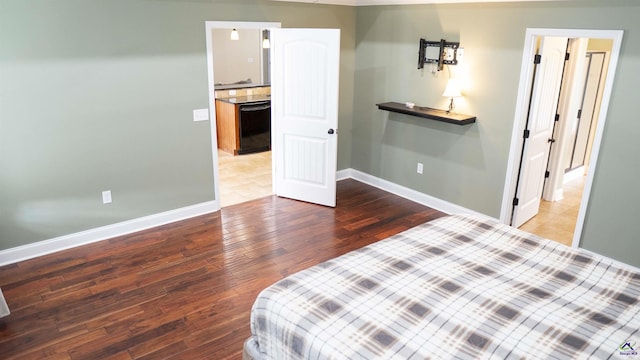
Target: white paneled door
(542, 111)
(304, 110)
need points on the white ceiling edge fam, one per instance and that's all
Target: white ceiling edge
(403, 2)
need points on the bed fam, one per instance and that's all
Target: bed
(462, 286)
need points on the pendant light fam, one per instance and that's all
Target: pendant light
(235, 35)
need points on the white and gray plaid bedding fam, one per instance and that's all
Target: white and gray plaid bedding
(457, 287)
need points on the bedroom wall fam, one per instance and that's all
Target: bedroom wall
(98, 95)
(466, 165)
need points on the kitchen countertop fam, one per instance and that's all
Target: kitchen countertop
(245, 99)
(239, 86)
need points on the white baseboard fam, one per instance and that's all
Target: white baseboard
(574, 174)
(25, 252)
(20, 253)
(410, 194)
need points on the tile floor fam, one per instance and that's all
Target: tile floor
(557, 220)
(244, 177)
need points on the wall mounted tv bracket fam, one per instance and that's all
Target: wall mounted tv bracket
(439, 52)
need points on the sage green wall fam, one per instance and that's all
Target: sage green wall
(466, 165)
(98, 95)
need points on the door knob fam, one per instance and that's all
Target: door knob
(331, 131)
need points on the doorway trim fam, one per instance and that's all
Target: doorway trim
(522, 104)
(209, 26)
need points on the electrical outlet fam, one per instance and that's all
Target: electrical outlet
(4, 308)
(460, 55)
(420, 168)
(448, 54)
(106, 197)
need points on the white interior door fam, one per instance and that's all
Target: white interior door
(542, 111)
(304, 108)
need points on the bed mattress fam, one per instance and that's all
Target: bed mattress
(461, 286)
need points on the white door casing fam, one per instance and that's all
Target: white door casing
(304, 108)
(542, 110)
(209, 26)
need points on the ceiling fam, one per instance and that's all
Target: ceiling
(402, 2)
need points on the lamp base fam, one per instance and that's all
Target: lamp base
(451, 107)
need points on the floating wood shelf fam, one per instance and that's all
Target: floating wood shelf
(428, 113)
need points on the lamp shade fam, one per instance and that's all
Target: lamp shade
(235, 35)
(453, 89)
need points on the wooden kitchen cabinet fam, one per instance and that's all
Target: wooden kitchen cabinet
(227, 126)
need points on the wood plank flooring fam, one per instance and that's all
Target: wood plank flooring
(184, 290)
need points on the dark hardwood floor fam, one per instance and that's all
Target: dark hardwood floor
(184, 290)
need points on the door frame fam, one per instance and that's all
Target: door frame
(209, 26)
(522, 104)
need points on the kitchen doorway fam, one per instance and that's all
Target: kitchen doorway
(244, 177)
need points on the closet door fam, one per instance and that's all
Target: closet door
(587, 120)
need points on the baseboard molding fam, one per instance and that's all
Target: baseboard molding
(30, 251)
(407, 193)
(20, 253)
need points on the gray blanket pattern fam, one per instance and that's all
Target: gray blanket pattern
(457, 287)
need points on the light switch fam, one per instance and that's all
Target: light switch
(201, 115)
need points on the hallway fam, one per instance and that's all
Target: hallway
(557, 220)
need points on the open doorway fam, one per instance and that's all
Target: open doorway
(570, 152)
(551, 177)
(305, 66)
(239, 95)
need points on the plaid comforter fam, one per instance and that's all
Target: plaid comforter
(457, 287)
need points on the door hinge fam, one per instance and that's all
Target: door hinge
(551, 140)
(566, 56)
(526, 134)
(515, 201)
(547, 174)
(537, 59)
(580, 114)
(557, 117)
